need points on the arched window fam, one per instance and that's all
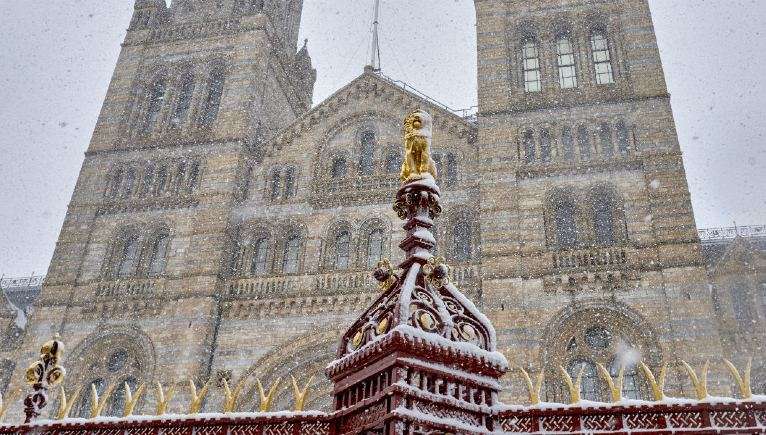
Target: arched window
(590, 389)
(583, 140)
(602, 59)
(117, 360)
(374, 247)
(603, 218)
(567, 143)
(291, 254)
(461, 240)
(129, 182)
(213, 98)
(623, 138)
(156, 97)
(545, 145)
(342, 258)
(274, 184)
(116, 182)
(180, 176)
(289, 183)
(158, 254)
(258, 262)
(128, 256)
(393, 162)
(147, 181)
(193, 178)
(339, 167)
(451, 168)
(366, 160)
(565, 222)
(566, 63)
(531, 66)
(605, 136)
(83, 410)
(185, 93)
(529, 146)
(438, 163)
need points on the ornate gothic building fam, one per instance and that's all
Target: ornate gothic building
(222, 226)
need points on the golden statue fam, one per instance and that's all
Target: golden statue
(417, 147)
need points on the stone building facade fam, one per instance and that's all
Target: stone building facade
(223, 228)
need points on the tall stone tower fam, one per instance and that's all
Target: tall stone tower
(197, 87)
(590, 253)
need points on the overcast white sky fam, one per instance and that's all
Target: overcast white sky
(57, 57)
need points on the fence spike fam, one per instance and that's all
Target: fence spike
(163, 397)
(658, 386)
(131, 399)
(574, 387)
(196, 399)
(231, 398)
(66, 403)
(699, 382)
(615, 386)
(299, 395)
(97, 403)
(533, 390)
(743, 382)
(267, 399)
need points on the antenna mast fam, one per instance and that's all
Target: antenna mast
(375, 47)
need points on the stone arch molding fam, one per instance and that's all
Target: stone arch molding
(91, 355)
(302, 357)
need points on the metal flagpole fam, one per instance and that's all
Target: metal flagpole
(375, 47)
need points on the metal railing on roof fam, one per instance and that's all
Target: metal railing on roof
(727, 233)
(20, 283)
(468, 114)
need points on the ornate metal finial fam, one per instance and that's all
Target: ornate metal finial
(384, 274)
(41, 375)
(417, 147)
(437, 271)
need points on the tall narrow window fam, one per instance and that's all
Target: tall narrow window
(565, 222)
(193, 178)
(438, 163)
(529, 146)
(116, 182)
(451, 169)
(213, 98)
(147, 181)
(156, 98)
(605, 137)
(602, 59)
(258, 265)
(583, 140)
(289, 183)
(130, 181)
(531, 66)
(338, 167)
(461, 239)
(180, 176)
(603, 218)
(545, 145)
(128, 258)
(374, 247)
(567, 143)
(158, 257)
(566, 63)
(342, 250)
(291, 254)
(366, 159)
(623, 138)
(274, 184)
(186, 91)
(161, 183)
(393, 162)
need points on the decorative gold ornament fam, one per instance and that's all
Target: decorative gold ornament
(743, 382)
(436, 271)
(615, 386)
(699, 382)
(42, 375)
(66, 403)
(131, 399)
(382, 327)
(533, 391)
(5, 404)
(267, 399)
(574, 387)
(417, 147)
(384, 274)
(231, 398)
(658, 386)
(98, 403)
(357, 340)
(163, 398)
(426, 321)
(195, 405)
(300, 395)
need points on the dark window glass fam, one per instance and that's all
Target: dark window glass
(289, 183)
(566, 227)
(156, 99)
(147, 181)
(623, 138)
(185, 94)
(130, 181)
(590, 389)
(393, 162)
(366, 160)
(258, 264)
(116, 405)
(161, 183)
(180, 175)
(451, 169)
(213, 98)
(128, 257)
(583, 140)
(342, 250)
(598, 337)
(461, 235)
(83, 410)
(158, 258)
(605, 135)
(603, 219)
(117, 360)
(545, 145)
(339, 167)
(191, 182)
(115, 184)
(291, 254)
(567, 143)
(374, 247)
(275, 183)
(529, 146)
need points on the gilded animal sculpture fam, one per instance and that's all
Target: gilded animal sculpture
(417, 147)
